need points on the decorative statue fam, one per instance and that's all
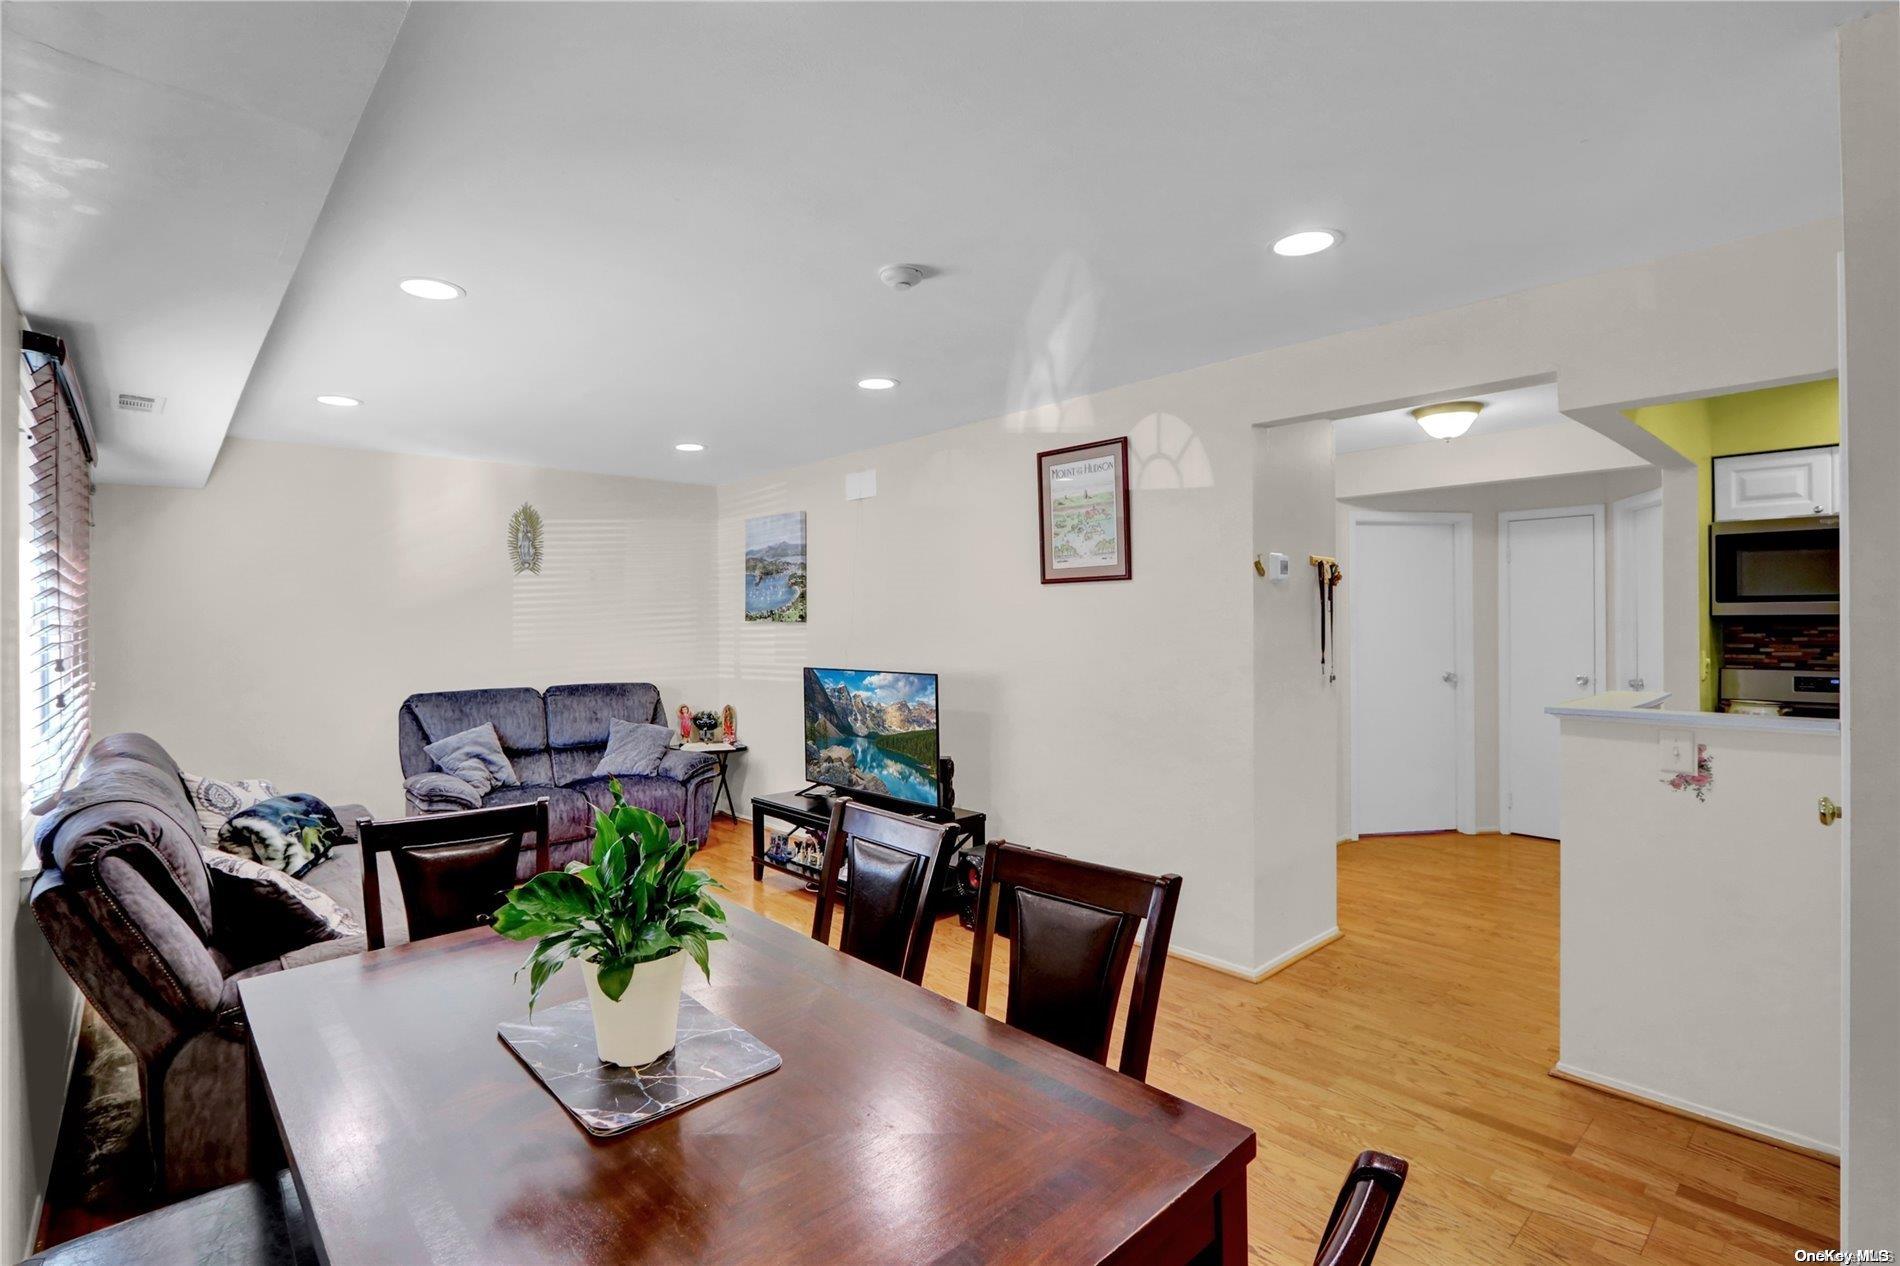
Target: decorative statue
(729, 724)
(686, 724)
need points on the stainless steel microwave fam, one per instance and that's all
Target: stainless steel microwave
(1776, 567)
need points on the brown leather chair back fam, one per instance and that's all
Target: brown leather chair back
(1071, 931)
(452, 868)
(892, 861)
(1364, 1207)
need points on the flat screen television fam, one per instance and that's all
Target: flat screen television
(874, 732)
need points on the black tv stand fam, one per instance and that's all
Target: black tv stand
(811, 808)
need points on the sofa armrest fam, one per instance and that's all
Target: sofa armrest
(687, 767)
(440, 793)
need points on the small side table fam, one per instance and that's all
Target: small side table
(720, 752)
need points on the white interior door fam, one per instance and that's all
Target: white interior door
(1638, 547)
(1551, 647)
(1404, 669)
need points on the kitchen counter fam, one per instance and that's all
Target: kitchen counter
(1700, 951)
(1645, 708)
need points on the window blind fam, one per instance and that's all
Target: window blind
(57, 685)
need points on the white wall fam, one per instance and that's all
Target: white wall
(1484, 503)
(270, 624)
(1700, 952)
(39, 1008)
(1870, 432)
(1297, 716)
(1541, 452)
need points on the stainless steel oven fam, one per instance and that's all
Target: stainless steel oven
(1775, 567)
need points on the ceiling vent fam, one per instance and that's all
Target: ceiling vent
(141, 404)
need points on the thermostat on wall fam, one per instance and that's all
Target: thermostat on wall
(1278, 568)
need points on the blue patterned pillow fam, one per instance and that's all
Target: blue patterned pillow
(288, 833)
(633, 749)
(475, 756)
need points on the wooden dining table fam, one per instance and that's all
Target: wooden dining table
(902, 1127)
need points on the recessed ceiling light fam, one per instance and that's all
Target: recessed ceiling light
(341, 402)
(1307, 242)
(690, 448)
(877, 384)
(1448, 421)
(430, 288)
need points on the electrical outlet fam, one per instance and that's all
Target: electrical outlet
(1678, 751)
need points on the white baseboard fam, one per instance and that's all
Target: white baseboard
(1700, 1112)
(1254, 975)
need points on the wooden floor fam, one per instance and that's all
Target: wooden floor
(1428, 1031)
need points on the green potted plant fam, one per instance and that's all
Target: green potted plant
(631, 917)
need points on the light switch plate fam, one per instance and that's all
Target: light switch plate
(1678, 751)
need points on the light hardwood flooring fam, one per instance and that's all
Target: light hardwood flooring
(1428, 1030)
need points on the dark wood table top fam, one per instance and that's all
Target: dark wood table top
(902, 1128)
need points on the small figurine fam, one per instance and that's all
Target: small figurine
(729, 724)
(686, 724)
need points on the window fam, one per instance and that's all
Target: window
(55, 539)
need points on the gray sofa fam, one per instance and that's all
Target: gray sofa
(158, 942)
(554, 739)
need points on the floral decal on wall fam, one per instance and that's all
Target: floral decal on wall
(1701, 780)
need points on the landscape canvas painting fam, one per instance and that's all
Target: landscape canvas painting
(1084, 502)
(775, 568)
(872, 731)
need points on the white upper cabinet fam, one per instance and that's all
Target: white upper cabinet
(1801, 482)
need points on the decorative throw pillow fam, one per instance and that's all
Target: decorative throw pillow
(633, 748)
(475, 756)
(289, 833)
(216, 799)
(317, 913)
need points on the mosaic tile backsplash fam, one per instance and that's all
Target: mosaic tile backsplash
(1812, 644)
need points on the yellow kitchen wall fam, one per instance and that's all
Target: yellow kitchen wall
(1803, 415)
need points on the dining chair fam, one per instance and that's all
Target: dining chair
(892, 864)
(1364, 1207)
(1071, 926)
(451, 868)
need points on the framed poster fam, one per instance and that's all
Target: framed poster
(775, 568)
(1082, 497)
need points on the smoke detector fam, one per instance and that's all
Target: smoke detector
(902, 276)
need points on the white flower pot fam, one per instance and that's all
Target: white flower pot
(642, 1026)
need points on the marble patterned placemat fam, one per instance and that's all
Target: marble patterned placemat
(711, 1056)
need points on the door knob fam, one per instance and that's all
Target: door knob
(1583, 679)
(1450, 679)
(1830, 812)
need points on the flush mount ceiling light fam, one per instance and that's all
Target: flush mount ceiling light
(430, 288)
(877, 384)
(339, 402)
(689, 448)
(1448, 421)
(1307, 242)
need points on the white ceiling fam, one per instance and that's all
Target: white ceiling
(1515, 410)
(163, 166)
(669, 218)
